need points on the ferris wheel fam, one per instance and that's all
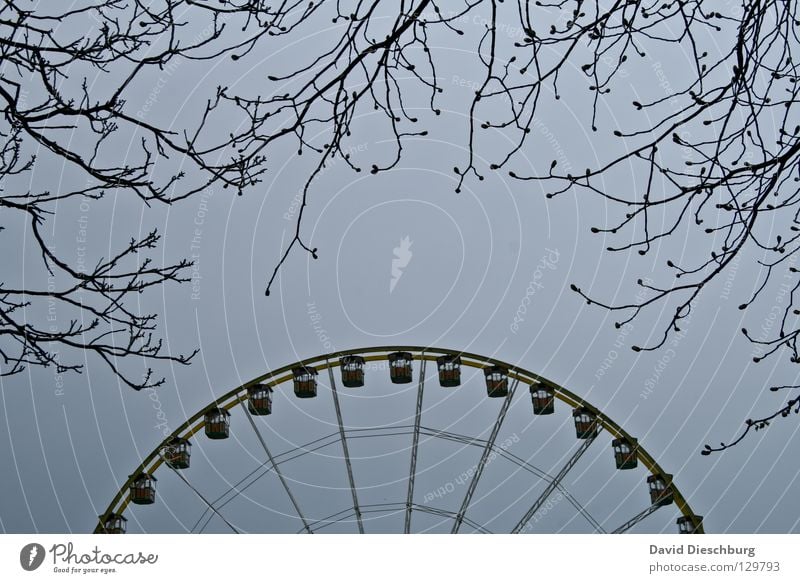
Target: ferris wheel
(651, 497)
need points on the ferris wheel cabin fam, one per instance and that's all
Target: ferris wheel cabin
(177, 453)
(625, 453)
(259, 399)
(400, 367)
(449, 366)
(691, 524)
(660, 487)
(352, 371)
(496, 381)
(114, 524)
(218, 423)
(143, 489)
(305, 382)
(585, 423)
(544, 399)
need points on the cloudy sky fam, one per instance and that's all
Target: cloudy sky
(486, 270)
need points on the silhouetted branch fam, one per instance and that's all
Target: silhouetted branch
(63, 88)
(718, 153)
(715, 155)
(791, 406)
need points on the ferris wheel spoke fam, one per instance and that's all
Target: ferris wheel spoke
(450, 514)
(556, 481)
(346, 452)
(636, 519)
(294, 453)
(518, 461)
(484, 457)
(450, 436)
(321, 523)
(263, 469)
(347, 513)
(412, 472)
(204, 499)
(391, 508)
(560, 487)
(327, 523)
(276, 469)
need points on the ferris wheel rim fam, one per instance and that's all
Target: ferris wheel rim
(330, 360)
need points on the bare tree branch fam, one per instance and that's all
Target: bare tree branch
(717, 155)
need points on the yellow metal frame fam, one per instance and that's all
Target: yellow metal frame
(322, 362)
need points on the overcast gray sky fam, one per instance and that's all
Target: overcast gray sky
(67, 444)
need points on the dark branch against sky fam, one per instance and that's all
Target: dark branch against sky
(713, 152)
